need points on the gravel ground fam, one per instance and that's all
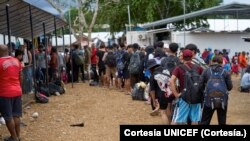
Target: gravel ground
(102, 111)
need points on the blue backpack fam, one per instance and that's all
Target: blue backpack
(216, 93)
(120, 64)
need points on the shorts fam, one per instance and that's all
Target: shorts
(111, 72)
(184, 111)
(11, 107)
(126, 74)
(120, 74)
(163, 101)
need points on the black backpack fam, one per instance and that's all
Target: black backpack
(191, 92)
(110, 59)
(169, 63)
(135, 63)
(138, 93)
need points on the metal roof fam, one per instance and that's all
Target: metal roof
(235, 9)
(19, 18)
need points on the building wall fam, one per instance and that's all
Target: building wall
(232, 41)
(133, 37)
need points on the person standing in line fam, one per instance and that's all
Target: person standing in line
(215, 80)
(101, 65)
(94, 63)
(188, 105)
(11, 92)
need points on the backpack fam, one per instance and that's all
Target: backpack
(53, 88)
(41, 98)
(135, 63)
(163, 82)
(44, 90)
(120, 64)
(169, 63)
(79, 60)
(110, 60)
(138, 93)
(191, 92)
(216, 93)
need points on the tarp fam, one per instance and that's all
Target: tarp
(19, 16)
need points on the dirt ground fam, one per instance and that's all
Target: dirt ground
(102, 111)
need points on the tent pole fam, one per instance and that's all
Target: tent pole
(71, 50)
(8, 28)
(46, 54)
(33, 50)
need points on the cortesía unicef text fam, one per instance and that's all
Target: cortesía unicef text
(186, 132)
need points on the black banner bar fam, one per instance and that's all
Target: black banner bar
(200, 133)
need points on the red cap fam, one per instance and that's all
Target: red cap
(187, 53)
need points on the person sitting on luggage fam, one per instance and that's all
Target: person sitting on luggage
(245, 81)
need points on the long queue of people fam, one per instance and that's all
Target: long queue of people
(184, 87)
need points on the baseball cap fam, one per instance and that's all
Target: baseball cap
(187, 53)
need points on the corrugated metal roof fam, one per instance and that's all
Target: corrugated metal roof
(235, 9)
(20, 18)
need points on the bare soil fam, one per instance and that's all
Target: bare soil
(102, 111)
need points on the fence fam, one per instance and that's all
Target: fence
(27, 84)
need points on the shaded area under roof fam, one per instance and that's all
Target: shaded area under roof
(234, 9)
(20, 19)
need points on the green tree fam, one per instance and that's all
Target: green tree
(83, 15)
(142, 11)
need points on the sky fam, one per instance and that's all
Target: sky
(238, 1)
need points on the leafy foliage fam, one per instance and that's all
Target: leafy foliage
(142, 11)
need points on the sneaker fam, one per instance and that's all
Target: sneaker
(2, 121)
(57, 93)
(11, 139)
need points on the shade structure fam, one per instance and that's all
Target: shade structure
(19, 18)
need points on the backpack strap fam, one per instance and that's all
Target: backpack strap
(211, 71)
(185, 68)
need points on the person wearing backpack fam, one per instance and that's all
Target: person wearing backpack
(196, 59)
(120, 65)
(168, 64)
(126, 58)
(188, 104)
(216, 84)
(78, 61)
(109, 59)
(101, 65)
(135, 65)
(171, 61)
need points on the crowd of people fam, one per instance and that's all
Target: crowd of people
(184, 86)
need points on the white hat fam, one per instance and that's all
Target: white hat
(166, 45)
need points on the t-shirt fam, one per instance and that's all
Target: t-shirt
(41, 62)
(93, 56)
(100, 55)
(10, 69)
(179, 73)
(54, 61)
